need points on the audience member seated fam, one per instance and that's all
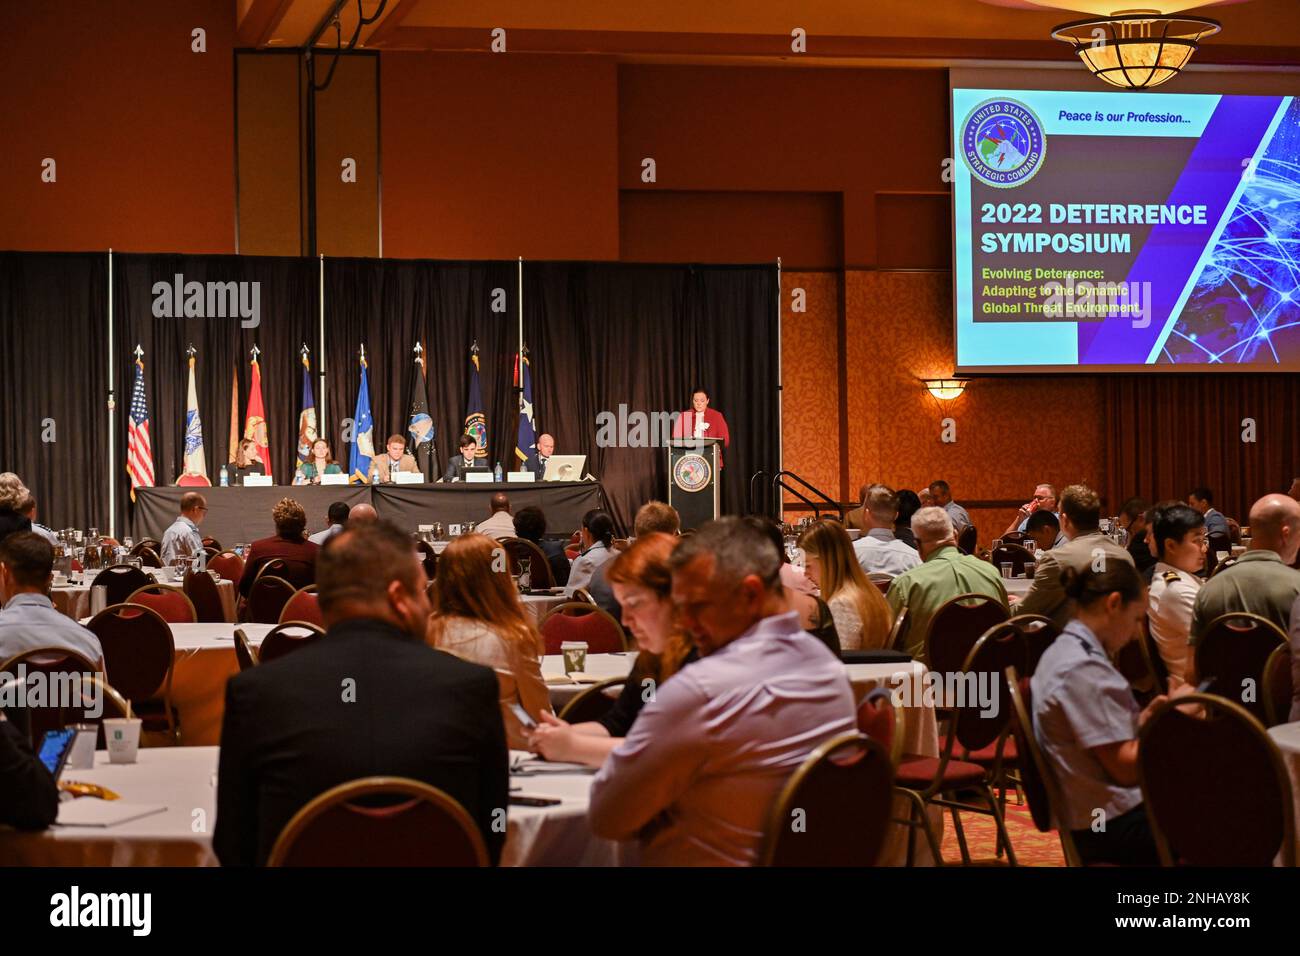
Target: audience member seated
(29, 619)
(287, 543)
(597, 535)
(1080, 520)
(941, 493)
(500, 523)
(363, 513)
(320, 463)
(1179, 534)
(943, 574)
(370, 699)
(909, 503)
(248, 461)
(1044, 497)
(13, 494)
(1260, 581)
(29, 798)
(478, 617)
(182, 539)
(1216, 525)
(695, 778)
(650, 517)
(854, 517)
(879, 550)
(28, 511)
(337, 517)
(1087, 721)
(1043, 528)
(1133, 519)
(643, 586)
(861, 613)
(460, 464)
(530, 525)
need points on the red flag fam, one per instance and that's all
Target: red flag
(255, 423)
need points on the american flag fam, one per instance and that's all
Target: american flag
(139, 453)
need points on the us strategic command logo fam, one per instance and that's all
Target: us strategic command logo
(691, 473)
(1003, 143)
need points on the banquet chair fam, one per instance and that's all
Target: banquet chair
(121, 580)
(204, 595)
(1215, 543)
(267, 598)
(1014, 537)
(1016, 554)
(881, 719)
(1038, 632)
(881, 580)
(974, 726)
(298, 573)
(211, 542)
(1134, 663)
(1223, 565)
(152, 543)
(1277, 689)
(1037, 778)
(572, 551)
(428, 558)
(227, 564)
(53, 664)
(148, 556)
(193, 481)
(139, 651)
(245, 653)
(898, 632)
(594, 702)
(575, 621)
(304, 606)
(539, 569)
(835, 809)
(170, 602)
(1214, 785)
(967, 540)
(380, 821)
(209, 553)
(583, 596)
(955, 628)
(287, 638)
(1232, 653)
(825, 630)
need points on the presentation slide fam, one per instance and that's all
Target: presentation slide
(1118, 231)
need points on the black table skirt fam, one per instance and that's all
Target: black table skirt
(241, 515)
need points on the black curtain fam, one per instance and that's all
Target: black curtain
(644, 336)
(288, 297)
(388, 305)
(54, 382)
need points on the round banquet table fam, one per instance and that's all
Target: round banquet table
(73, 600)
(1287, 738)
(184, 780)
(1018, 587)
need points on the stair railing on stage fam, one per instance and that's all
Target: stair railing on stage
(826, 503)
(753, 505)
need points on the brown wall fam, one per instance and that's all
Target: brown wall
(140, 127)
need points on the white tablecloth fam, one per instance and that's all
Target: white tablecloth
(1017, 586)
(74, 599)
(184, 779)
(1287, 738)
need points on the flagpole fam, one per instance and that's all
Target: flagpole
(780, 443)
(112, 417)
(320, 361)
(519, 361)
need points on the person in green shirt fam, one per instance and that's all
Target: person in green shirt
(944, 573)
(320, 463)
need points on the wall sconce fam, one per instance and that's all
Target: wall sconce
(945, 389)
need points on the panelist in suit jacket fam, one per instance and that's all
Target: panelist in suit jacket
(1087, 547)
(537, 463)
(371, 699)
(396, 458)
(700, 421)
(288, 543)
(460, 464)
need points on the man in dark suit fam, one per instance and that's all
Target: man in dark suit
(370, 699)
(545, 449)
(460, 464)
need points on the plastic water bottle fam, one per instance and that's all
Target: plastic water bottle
(496, 475)
(225, 477)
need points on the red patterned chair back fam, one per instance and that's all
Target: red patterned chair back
(267, 598)
(303, 606)
(957, 626)
(57, 666)
(287, 638)
(138, 650)
(380, 821)
(539, 568)
(1231, 655)
(169, 602)
(577, 621)
(882, 720)
(1038, 631)
(121, 580)
(227, 564)
(298, 573)
(206, 598)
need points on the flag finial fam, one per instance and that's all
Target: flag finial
(305, 351)
(363, 351)
(139, 352)
(473, 349)
(191, 351)
(255, 351)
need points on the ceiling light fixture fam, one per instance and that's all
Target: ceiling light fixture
(1136, 49)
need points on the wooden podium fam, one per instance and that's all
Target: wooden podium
(693, 479)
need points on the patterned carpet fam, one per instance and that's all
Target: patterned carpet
(1032, 848)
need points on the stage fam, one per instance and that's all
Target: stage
(242, 515)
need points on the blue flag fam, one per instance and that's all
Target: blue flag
(363, 432)
(307, 417)
(475, 418)
(526, 443)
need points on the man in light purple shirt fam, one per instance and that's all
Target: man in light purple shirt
(697, 774)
